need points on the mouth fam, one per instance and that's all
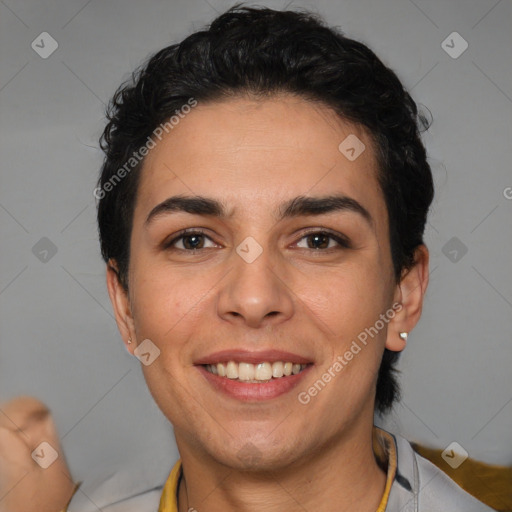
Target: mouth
(253, 376)
(255, 373)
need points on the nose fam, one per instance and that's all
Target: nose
(255, 293)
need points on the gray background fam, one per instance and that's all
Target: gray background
(59, 341)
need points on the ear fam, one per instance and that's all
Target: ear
(409, 293)
(121, 305)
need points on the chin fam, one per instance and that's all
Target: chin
(255, 456)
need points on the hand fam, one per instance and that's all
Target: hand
(25, 486)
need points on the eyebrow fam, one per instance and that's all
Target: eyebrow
(297, 207)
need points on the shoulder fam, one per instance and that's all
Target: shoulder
(147, 501)
(420, 486)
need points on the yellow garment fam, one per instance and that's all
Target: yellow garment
(169, 498)
(383, 448)
(385, 452)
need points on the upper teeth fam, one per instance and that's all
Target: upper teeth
(259, 372)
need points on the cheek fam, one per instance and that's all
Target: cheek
(347, 299)
(162, 296)
(170, 307)
(167, 310)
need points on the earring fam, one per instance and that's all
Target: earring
(129, 340)
(403, 335)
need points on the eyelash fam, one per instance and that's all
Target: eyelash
(342, 241)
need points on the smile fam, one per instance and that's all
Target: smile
(255, 373)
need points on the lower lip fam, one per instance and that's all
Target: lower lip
(253, 392)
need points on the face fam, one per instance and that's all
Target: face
(262, 279)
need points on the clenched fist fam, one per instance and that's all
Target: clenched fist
(33, 477)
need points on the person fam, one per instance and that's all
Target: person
(261, 211)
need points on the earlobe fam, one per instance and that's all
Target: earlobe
(409, 294)
(121, 305)
(396, 342)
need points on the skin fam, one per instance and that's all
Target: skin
(24, 485)
(270, 455)
(252, 155)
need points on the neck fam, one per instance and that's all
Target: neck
(342, 475)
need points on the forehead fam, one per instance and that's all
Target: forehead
(255, 153)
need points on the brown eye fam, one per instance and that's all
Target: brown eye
(318, 241)
(193, 241)
(324, 240)
(189, 241)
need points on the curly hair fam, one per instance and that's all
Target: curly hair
(261, 51)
